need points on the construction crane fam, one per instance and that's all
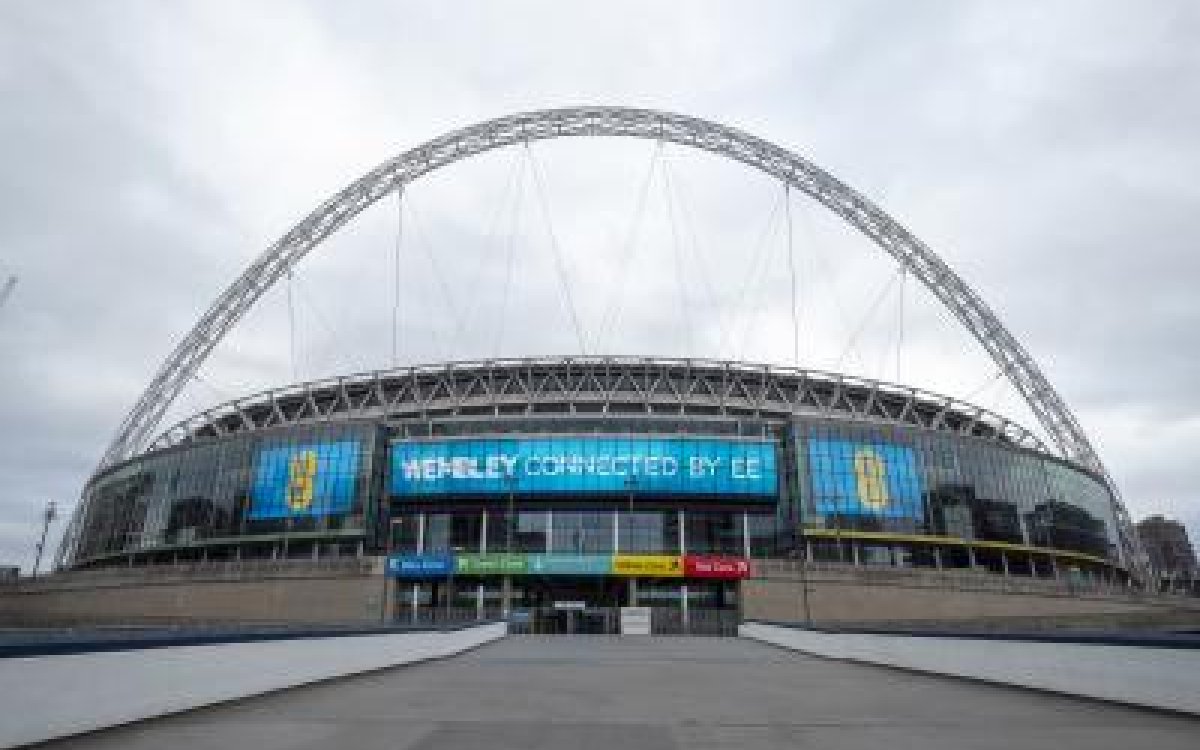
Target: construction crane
(6, 290)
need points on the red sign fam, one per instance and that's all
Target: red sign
(713, 566)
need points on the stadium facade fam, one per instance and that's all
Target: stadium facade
(593, 483)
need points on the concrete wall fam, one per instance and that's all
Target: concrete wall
(56, 696)
(1165, 678)
(352, 591)
(848, 597)
(286, 593)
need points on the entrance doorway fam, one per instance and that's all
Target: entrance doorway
(571, 605)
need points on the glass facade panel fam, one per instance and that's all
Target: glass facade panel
(585, 532)
(712, 533)
(329, 482)
(901, 480)
(649, 532)
(273, 484)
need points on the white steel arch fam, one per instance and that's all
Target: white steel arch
(1010, 356)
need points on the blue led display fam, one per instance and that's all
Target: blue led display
(315, 479)
(611, 465)
(862, 478)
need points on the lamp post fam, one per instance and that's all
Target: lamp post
(510, 483)
(388, 605)
(48, 515)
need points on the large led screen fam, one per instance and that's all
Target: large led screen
(587, 464)
(315, 479)
(861, 478)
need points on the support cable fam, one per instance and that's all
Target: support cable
(760, 292)
(291, 309)
(440, 278)
(883, 292)
(493, 242)
(900, 320)
(509, 254)
(821, 265)
(791, 254)
(984, 386)
(559, 261)
(692, 243)
(752, 271)
(680, 268)
(308, 299)
(396, 276)
(612, 313)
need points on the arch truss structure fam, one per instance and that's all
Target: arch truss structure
(138, 426)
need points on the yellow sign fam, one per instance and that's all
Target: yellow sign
(302, 474)
(870, 471)
(655, 566)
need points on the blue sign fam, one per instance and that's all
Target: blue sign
(860, 478)
(314, 479)
(610, 465)
(420, 566)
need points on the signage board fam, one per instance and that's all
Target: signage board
(635, 620)
(558, 564)
(649, 566)
(865, 478)
(572, 605)
(420, 566)
(308, 479)
(597, 464)
(520, 616)
(715, 566)
(653, 566)
(490, 564)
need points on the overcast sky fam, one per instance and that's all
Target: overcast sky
(1047, 150)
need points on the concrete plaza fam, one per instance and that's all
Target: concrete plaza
(617, 693)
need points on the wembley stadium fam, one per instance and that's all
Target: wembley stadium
(519, 485)
(556, 491)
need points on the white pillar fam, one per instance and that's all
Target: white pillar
(746, 534)
(416, 587)
(482, 550)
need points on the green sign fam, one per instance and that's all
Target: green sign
(490, 564)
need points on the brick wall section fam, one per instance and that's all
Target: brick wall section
(256, 594)
(917, 599)
(351, 591)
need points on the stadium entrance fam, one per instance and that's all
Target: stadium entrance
(572, 594)
(555, 605)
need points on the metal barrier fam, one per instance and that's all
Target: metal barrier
(607, 621)
(225, 570)
(709, 622)
(964, 580)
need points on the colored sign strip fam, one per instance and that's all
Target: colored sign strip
(654, 566)
(493, 564)
(420, 566)
(596, 565)
(651, 566)
(716, 566)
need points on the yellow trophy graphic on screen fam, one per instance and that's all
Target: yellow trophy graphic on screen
(302, 475)
(870, 473)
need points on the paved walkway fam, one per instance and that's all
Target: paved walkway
(628, 694)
